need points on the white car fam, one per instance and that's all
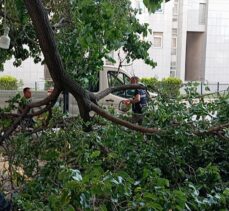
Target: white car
(110, 76)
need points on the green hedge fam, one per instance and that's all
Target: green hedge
(168, 87)
(151, 83)
(8, 83)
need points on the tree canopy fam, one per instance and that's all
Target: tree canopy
(178, 161)
(75, 37)
(85, 33)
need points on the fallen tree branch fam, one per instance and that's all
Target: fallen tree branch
(107, 91)
(124, 123)
(48, 101)
(212, 130)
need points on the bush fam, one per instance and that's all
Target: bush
(112, 168)
(151, 83)
(8, 83)
(168, 87)
(171, 86)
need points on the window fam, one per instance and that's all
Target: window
(174, 42)
(175, 9)
(173, 65)
(119, 79)
(158, 39)
(174, 19)
(174, 46)
(174, 31)
(174, 51)
(172, 73)
(202, 13)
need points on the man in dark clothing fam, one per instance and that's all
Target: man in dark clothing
(27, 122)
(139, 102)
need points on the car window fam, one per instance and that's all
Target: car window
(118, 79)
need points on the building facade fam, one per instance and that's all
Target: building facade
(190, 40)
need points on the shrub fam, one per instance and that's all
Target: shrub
(112, 168)
(171, 86)
(151, 83)
(168, 87)
(8, 83)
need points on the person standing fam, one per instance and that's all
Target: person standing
(139, 102)
(25, 100)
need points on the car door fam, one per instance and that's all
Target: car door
(114, 79)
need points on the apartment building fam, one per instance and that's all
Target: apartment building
(161, 24)
(190, 40)
(203, 40)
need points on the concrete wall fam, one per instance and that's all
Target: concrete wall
(181, 39)
(7, 94)
(193, 16)
(217, 50)
(216, 31)
(189, 22)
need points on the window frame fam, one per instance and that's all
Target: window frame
(158, 36)
(202, 13)
(125, 81)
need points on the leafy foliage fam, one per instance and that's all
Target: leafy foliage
(111, 168)
(24, 42)
(8, 83)
(168, 87)
(85, 31)
(98, 28)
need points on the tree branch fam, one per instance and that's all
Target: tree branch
(48, 101)
(127, 124)
(119, 88)
(46, 38)
(62, 23)
(212, 130)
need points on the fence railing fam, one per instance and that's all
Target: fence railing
(207, 88)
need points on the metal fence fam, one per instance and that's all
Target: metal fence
(207, 88)
(202, 87)
(69, 103)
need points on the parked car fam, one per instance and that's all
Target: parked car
(110, 76)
